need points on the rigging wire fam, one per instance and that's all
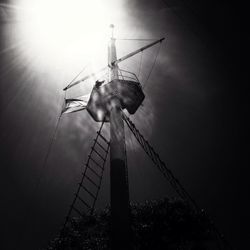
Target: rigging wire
(53, 138)
(39, 178)
(140, 65)
(45, 161)
(77, 75)
(126, 161)
(136, 39)
(143, 87)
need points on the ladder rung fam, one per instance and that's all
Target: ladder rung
(98, 154)
(96, 163)
(87, 191)
(94, 171)
(100, 145)
(103, 137)
(86, 204)
(77, 211)
(92, 181)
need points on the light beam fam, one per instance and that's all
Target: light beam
(65, 33)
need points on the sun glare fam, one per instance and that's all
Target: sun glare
(60, 31)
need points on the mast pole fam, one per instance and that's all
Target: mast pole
(119, 191)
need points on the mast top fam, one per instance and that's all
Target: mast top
(112, 26)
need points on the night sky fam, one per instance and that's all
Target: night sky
(194, 115)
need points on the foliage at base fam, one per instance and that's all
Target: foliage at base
(161, 224)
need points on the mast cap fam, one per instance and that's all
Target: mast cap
(112, 26)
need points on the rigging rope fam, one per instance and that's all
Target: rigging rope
(134, 39)
(95, 164)
(76, 76)
(140, 65)
(53, 137)
(173, 181)
(126, 159)
(152, 66)
(38, 181)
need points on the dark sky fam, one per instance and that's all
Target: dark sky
(194, 116)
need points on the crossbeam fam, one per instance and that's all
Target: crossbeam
(113, 63)
(136, 52)
(84, 78)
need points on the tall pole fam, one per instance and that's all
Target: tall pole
(119, 192)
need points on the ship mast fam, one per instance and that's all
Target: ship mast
(105, 104)
(119, 190)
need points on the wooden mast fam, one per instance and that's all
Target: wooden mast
(119, 190)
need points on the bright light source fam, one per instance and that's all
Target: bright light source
(60, 31)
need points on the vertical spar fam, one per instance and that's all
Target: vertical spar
(105, 104)
(120, 211)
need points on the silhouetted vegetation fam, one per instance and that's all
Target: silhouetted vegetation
(161, 224)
